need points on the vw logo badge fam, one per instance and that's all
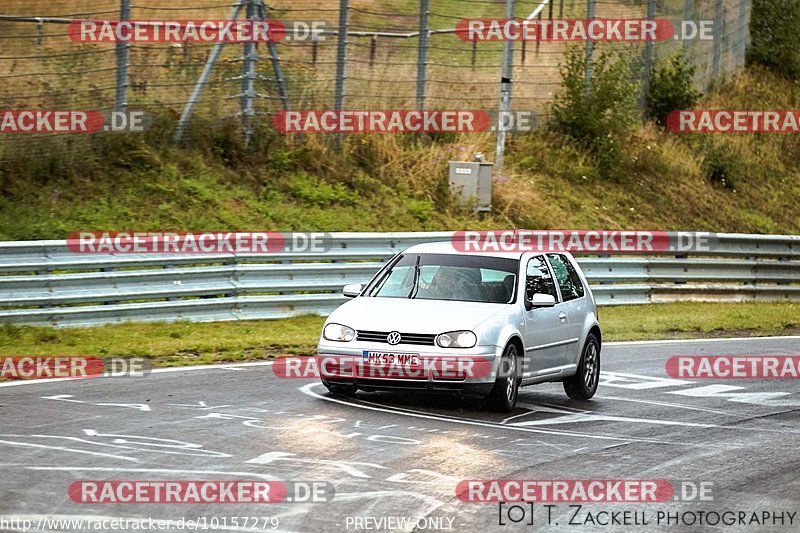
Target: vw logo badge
(393, 338)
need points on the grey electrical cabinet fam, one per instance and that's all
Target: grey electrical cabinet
(472, 181)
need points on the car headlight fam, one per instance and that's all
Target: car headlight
(457, 339)
(338, 332)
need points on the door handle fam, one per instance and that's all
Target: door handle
(562, 316)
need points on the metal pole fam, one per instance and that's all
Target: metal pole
(648, 57)
(505, 92)
(341, 56)
(422, 51)
(373, 49)
(539, 33)
(39, 33)
(719, 30)
(590, 14)
(248, 78)
(741, 44)
(201, 82)
(283, 91)
(123, 48)
(474, 52)
(688, 14)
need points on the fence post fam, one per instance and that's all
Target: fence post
(719, 30)
(248, 77)
(688, 14)
(647, 63)
(590, 14)
(341, 56)
(741, 40)
(39, 33)
(123, 49)
(474, 52)
(422, 51)
(201, 82)
(505, 92)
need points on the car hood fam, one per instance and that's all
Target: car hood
(413, 316)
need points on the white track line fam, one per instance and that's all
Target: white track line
(226, 366)
(687, 341)
(229, 366)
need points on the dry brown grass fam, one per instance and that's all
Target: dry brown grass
(162, 74)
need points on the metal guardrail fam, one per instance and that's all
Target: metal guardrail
(43, 283)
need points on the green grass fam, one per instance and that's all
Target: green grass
(53, 186)
(184, 343)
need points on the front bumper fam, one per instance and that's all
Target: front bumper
(343, 364)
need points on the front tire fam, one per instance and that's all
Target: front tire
(503, 396)
(583, 385)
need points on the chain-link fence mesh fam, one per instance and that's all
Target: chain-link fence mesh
(398, 54)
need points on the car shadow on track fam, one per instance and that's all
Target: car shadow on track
(531, 401)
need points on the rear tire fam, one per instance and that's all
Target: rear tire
(583, 385)
(503, 396)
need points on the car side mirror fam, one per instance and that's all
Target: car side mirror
(352, 290)
(540, 300)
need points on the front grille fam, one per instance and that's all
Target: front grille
(423, 339)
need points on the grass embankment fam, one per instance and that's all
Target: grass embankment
(735, 182)
(185, 343)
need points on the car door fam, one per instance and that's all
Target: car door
(545, 327)
(574, 301)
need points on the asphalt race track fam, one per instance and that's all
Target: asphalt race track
(394, 457)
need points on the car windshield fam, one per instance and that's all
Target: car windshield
(466, 278)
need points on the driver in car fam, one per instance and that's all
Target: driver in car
(456, 283)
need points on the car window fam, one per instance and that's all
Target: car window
(449, 277)
(538, 278)
(568, 279)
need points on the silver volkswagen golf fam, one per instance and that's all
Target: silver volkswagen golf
(437, 319)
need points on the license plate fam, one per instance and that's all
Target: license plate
(390, 358)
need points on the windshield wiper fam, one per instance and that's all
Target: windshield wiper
(414, 287)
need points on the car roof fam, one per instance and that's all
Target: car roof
(447, 247)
